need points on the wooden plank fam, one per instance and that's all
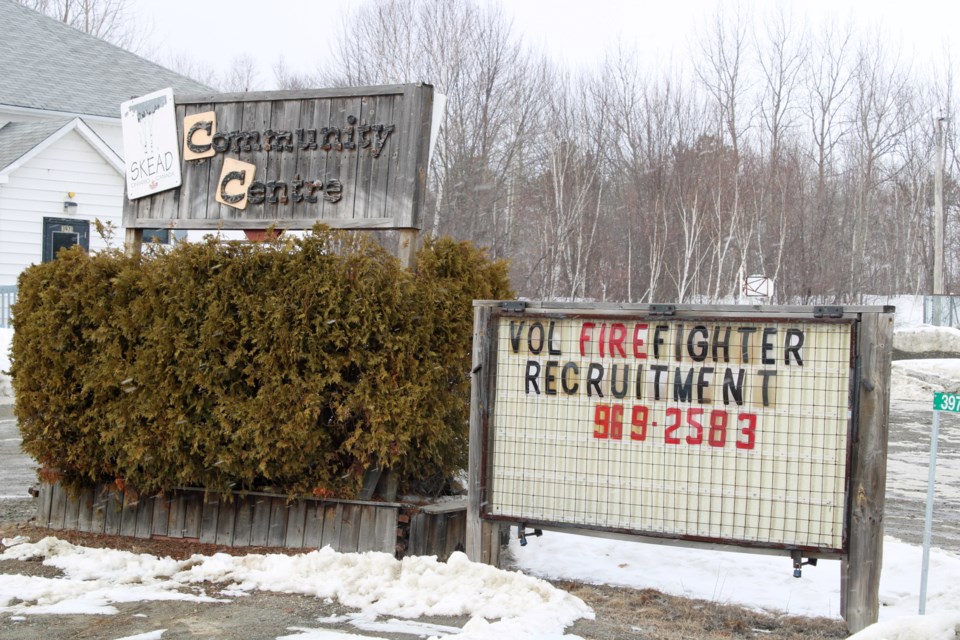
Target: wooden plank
(437, 535)
(277, 534)
(44, 504)
(85, 511)
(367, 538)
(71, 512)
(418, 543)
(177, 516)
(194, 192)
(860, 582)
(113, 511)
(456, 529)
(243, 521)
(161, 515)
(371, 478)
(145, 517)
(332, 525)
(313, 525)
(128, 515)
(296, 523)
(58, 507)
(483, 343)
(229, 118)
(260, 528)
(386, 530)
(192, 509)
(98, 515)
(226, 521)
(350, 528)
(209, 516)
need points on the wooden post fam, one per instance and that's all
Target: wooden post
(407, 247)
(133, 241)
(479, 532)
(860, 575)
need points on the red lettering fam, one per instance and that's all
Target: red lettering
(603, 332)
(586, 336)
(639, 348)
(618, 333)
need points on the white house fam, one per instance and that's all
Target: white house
(60, 134)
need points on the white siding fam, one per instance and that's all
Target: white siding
(39, 189)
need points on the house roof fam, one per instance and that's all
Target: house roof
(45, 64)
(20, 141)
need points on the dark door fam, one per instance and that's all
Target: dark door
(61, 233)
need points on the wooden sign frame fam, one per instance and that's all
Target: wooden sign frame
(351, 158)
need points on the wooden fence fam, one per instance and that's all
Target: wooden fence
(259, 520)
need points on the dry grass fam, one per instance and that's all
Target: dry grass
(629, 613)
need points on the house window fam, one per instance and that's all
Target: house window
(63, 233)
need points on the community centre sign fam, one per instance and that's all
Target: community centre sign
(351, 158)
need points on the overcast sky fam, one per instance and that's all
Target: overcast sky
(573, 31)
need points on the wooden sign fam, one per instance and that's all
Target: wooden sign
(350, 158)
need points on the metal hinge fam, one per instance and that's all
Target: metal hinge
(828, 312)
(663, 309)
(514, 305)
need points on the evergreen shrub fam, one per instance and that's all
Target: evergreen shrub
(291, 366)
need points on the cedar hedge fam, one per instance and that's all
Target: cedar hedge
(290, 366)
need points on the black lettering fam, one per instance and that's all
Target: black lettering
(203, 125)
(657, 340)
(383, 132)
(332, 192)
(639, 384)
(766, 346)
(276, 192)
(622, 392)
(745, 343)
(570, 367)
(721, 344)
(550, 378)
(698, 348)
(794, 342)
(257, 192)
(297, 185)
(683, 388)
(731, 388)
(227, 179)
(515, 337)
(307, 139)
(247, 141)
(594, 378)
(220, 142)
(766, 374)
(348, 142)
(702, 383)
(678, 344)
(539, 328)
(551, 348)
(657, 370)
(330, 138)
(533, 372)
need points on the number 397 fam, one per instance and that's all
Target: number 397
(693, 426)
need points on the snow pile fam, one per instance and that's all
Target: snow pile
(926, 339)
(375, 583)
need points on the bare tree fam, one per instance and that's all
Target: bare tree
(109, 20)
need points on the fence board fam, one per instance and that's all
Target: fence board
(208, 519)
(71, 511)
(112, 506)
(44, 502)
(145, 517)
(332, 525)
(226, 522)
(350, 528)
(192, 508)
(101, 500)
(161, 515)
(296, 522)
(128, 516)
(243, 522)
(386, 530)
(260, 531)
(367, 538)
(278, 522)
(177, 516)
(313, 525)
(57, 507)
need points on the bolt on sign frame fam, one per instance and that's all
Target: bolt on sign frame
(757, 428)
